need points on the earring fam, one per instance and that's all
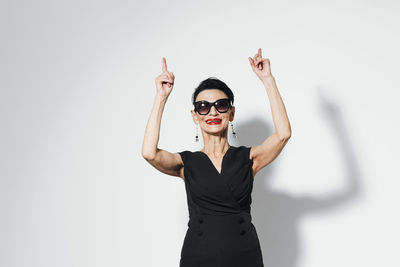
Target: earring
(233, 131)
(197, 133)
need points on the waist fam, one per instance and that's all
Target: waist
(240, 216)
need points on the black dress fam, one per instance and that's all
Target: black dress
(220, 230)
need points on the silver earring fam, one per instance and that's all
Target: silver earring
(233, 131)
(197, 133)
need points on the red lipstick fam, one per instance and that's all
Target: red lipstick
(213, 121)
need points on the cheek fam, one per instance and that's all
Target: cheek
(226, 116)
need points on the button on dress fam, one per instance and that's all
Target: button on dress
(220, 230)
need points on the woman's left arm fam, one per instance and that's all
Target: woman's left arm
(267, 151)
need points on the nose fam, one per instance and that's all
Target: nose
(213, 111)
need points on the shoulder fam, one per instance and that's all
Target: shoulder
(243, 149)
(186, 155)
(242, 152)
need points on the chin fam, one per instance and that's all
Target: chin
(218, 131)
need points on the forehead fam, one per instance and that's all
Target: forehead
(210, 95)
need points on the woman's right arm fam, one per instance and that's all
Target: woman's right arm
(164, 161)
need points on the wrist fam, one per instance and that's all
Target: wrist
(268, 80)
(161, 98)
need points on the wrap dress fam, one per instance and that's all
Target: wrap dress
(220, 231)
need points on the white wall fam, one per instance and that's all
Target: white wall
(77, 86)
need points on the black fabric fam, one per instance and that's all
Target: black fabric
(220, 230)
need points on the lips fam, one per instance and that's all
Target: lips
(213, 121)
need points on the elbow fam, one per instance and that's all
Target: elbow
(149, 156)
(285, 136)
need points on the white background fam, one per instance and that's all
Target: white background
(77, 86)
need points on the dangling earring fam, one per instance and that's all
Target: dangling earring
(233, 131)
(197, 132)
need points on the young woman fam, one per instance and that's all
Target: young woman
(219, 178)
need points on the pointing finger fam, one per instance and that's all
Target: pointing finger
(164, 61)
(259, 51)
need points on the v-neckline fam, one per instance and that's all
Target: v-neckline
(222, 162)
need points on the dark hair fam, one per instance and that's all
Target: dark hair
(213, 83)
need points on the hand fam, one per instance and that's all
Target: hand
(261, 66)
(165, 81)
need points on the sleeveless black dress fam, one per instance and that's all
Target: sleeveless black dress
(220, 230)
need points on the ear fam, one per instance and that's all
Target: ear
(232, 113)
(194, 116)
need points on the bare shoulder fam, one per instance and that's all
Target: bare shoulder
(266, 152)
(170, 163)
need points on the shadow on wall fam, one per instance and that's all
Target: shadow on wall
(278, 213)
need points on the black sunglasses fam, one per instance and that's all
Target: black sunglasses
(203, 107)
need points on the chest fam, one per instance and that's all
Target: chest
(218, 176)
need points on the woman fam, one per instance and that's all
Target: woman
(219, 178)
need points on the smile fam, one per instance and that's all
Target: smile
(213, 121)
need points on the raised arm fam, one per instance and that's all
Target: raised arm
(164, 161)
(266, 152)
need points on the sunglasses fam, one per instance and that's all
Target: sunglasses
(221, 105)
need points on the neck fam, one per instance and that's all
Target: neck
(215, 144)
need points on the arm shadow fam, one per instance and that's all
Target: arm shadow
(277, 213)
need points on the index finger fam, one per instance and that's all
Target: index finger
(259, 51)
(164, 61)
